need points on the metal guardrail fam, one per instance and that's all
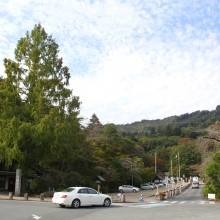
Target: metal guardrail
(175, 190)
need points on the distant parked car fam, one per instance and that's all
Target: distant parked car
(146, 186)
(80, 196)
(160, 184)
(128, 188)
(165, 182)
(153, 184)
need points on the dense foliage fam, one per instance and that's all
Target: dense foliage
(213, 173)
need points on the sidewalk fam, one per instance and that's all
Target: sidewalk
(129, 198)
(148, 196)
(6, 196)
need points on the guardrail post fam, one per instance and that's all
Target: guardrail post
(26, 196)
(10, 195)
(42, 197)
(123, 198)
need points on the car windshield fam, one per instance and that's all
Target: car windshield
(69, 189)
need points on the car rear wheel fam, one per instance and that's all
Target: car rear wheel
(107, 202)
(134, 190)
(121, 191)
(75, 203)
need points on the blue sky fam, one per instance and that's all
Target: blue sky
(131, 59)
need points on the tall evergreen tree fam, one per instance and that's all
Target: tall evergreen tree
(93, 129)
(39, 124)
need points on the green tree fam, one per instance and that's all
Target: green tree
(189, 157)
(148, 174)
(93, 129)
(212, 172)
(134, 168)
(39, 117)
(117, 158)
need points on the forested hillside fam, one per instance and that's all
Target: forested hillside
(186, 125)
(196, 136)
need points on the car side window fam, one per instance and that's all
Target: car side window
(91, 191)
(82, 191)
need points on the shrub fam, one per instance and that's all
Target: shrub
(38, 185)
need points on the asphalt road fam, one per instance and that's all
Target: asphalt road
(190, 205)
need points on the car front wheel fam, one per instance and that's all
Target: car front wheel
(134, 190)
(75, 203)
(107, 202)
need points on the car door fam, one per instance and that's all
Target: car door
(125, 188)
(129, 188)
(84, 197)
(95, 197)
(148, 186)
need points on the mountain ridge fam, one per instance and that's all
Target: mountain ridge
(198, 119)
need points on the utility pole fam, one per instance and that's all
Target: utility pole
(179, 163)
(171, 168)
(155, 162)
(132, 178)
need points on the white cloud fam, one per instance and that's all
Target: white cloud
(130, 60)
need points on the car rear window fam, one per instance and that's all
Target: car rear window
(69, 189)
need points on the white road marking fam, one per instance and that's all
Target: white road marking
(165, 203)
(150, 205)
(173, 202)
(36, 217)
(182, 202)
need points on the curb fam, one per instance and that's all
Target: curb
(20, 198)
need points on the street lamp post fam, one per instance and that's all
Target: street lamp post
(171, 168)
(179, 163)
(132, 178)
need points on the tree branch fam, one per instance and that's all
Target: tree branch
(212, 138)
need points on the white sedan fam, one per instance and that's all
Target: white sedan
(128, 188)
(80, 196)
